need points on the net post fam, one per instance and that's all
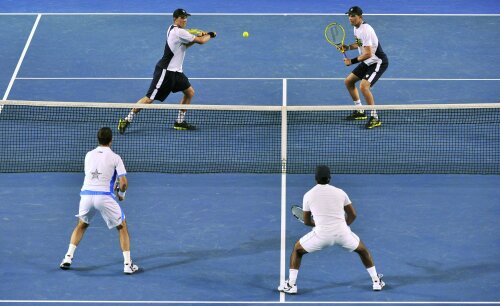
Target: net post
(283, 186)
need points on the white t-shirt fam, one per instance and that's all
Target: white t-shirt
(177, 39)
(365, 36)
(326, 204)
(102, 168)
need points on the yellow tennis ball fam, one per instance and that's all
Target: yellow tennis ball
(245, 34)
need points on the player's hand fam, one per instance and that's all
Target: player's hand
(117, 191)
(347, 61)
(344, 48)
(212, 34)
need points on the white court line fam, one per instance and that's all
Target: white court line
(247, 14)
(19, 63)
(284, 140)
(235, 302)
(249, 78)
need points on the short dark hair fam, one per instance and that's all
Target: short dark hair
(322, 174)
(180, 13)
(105, 135)
(355, 10)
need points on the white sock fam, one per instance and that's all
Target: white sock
(130, 116)
(71, 250)
(358, 103)
(374, 114)
(373, 273)
(126, 257)
(292, 276)
(180, 117)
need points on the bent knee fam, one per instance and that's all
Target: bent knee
(365, 86)
(189, 92)
(349, 82)
(299, 248)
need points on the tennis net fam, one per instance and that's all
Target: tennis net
(55, 136)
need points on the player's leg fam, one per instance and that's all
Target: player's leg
(309, 243)
(128, 266)
(350, 84)
(296, 256)
(365, 86)
(372, 74)
(182, 84)
(114, 217)
(85, 213)
(290, 286)
(76, 237)
(124, 122)
(181, 123)
(156, 91)
(367, 260)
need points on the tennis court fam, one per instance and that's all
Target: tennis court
(218, 237)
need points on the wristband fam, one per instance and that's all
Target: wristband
(354, 60)
(121, 194)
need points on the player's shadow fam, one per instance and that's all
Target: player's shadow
(185, 257)
(432, 273)
(435, 273)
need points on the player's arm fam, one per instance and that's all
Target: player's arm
(350, 213)
(202, 39)
(308, 220)
(122, 187)
(352, 46)
(366, 54)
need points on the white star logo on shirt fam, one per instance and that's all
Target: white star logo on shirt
(95, 174)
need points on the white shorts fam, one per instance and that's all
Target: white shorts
(110, 210)
(313, 241)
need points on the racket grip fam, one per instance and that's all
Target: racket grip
(212, 34)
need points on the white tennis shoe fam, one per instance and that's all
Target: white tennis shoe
(378, 285)
(130, 268)
(288, 288)
(66, 262)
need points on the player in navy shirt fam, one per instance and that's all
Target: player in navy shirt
(373, 62)
(168, 75)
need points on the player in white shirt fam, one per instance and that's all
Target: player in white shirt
(333, 213)
(168, 75)
(103, 168)
(373, 63)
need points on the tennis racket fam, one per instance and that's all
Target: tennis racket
(199, 32)
(298, 213)
(335, 35)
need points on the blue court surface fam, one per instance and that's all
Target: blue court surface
(217, 238)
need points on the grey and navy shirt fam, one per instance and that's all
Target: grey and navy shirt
(175, 48)
(365, 36)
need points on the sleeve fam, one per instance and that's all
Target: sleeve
(120, 167)
(347, 201)
(305, 203)
(185, 37)
(366, 36)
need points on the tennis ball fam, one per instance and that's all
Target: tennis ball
(245, 34)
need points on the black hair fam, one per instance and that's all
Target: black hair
(105, 135)
(322, 175)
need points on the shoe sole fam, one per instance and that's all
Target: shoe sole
(374, 126)
(65, 266)
(357, 118)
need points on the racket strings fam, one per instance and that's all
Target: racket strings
(334, 34)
